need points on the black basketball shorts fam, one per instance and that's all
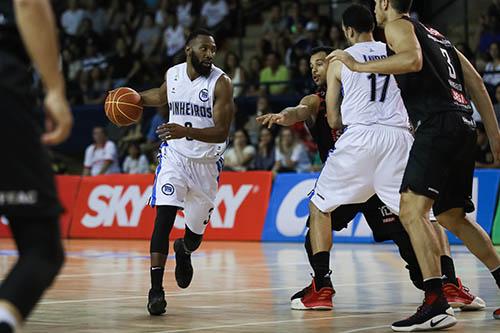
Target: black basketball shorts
(383, 223)
(441, 162)
(27, 186)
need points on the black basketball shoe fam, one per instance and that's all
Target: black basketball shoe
(156, 302)
(183, 267)
(434, 314)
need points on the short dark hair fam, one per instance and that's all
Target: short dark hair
(318, 49)
(199, 32)
(359, 18)
(401, 6)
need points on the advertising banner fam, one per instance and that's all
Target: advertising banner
(67, 188)
(116, 206)
(288, 209)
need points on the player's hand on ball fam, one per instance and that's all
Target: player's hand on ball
(344, 57)
(171, 131)
(58, 118)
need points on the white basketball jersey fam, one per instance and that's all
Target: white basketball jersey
(190, 104)
(371, 98)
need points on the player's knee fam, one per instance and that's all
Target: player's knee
(453, 220)
(192, 241)
(165, 218)
(45, 265)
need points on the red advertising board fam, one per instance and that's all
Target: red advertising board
(67, 187)
(115, 206)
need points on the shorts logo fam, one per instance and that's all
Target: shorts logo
(203, 95)
(168, 189)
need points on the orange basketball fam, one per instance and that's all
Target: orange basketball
(123, 106)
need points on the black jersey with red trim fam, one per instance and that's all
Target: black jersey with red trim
(16, 76)
(439, 86)
(323, 135)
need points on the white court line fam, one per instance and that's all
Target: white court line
(134, 272)
(182, 294)
(259, 323)
(384, 326)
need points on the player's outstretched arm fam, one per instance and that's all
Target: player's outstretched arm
(155, 97)
(223, 116)
(333, 95)
(306, 110)
(37, 27)
(475, 87)
(402, 40)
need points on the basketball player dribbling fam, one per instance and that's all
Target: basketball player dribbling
(200, 101)
(435, 80)
(28, 195)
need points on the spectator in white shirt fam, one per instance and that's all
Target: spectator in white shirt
(135, 162)
(147, 37)
(97, 15)
(173, 37)
(184, 13)
(494, 65)
(101, 158)
(213, 12)
(290, 154)
(72, 17)
(241, 154)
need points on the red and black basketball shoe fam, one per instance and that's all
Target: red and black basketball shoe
(460, 297)
(310, 298)
(496, 314)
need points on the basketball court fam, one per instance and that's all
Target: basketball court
(239, 287)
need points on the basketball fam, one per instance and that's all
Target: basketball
(123, 106)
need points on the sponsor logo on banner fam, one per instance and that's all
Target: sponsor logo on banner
(116, 207)
(115, 203)
(289, 209)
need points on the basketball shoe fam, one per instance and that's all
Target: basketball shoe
(460, 297)
(183, 267)
(496, 314)
(156, 302)
(311, 299)
(434, 314)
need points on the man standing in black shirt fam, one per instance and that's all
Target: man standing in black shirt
(28, 196)
(435, 80)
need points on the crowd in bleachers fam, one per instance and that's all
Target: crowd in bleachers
(112, 43)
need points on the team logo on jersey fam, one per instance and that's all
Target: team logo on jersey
(168, 189)
(203, 95)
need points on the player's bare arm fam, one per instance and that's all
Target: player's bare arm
(402, 40)
(38, 30)
(475, 87)
(223, 116)
(155, 97)
(333, 95)
(306, 110)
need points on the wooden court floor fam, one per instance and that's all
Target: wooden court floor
(239, 287)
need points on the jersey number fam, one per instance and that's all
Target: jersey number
(188, 124)
(451, 69)
(373, 78)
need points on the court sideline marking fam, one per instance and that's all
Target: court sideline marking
(181, 294)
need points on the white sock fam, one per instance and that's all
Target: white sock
(7, 317)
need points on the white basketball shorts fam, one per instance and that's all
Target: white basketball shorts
(188, 184)
(367, 160)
